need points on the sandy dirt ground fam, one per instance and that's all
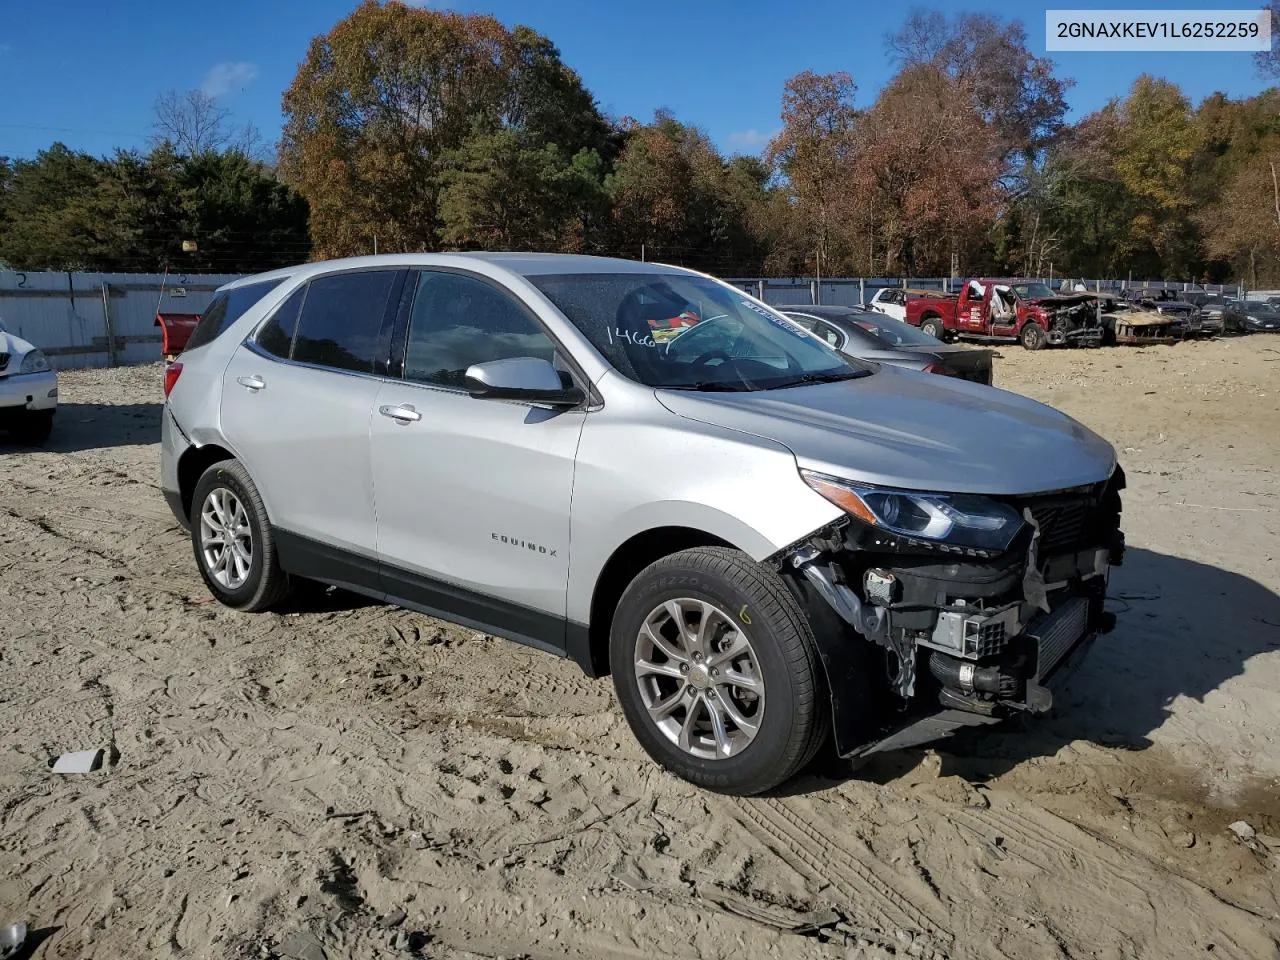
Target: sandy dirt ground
(348, 780)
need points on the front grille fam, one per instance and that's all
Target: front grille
(1068, 521)
(1063, 525)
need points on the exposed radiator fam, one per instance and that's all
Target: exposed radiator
(1057, 632)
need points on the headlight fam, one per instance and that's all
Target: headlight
(958, 523)
(34, 362)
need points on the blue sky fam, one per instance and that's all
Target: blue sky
(87, 72)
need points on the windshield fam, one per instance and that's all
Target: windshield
(692, 333)
(1032, 291)
(892, 333)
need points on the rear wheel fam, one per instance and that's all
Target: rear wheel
(33, 427)
(717, 671)
(933, 327)
(233, 542)
(1033, 336)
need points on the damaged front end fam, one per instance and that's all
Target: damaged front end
(1072, 321)
(921, 635)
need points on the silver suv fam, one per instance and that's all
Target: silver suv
(770, 545)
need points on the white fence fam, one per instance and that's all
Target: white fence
(109, 319)
(99, 319)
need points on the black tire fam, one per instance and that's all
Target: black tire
(932, 326)
(795, 720)
(265, 584)
(1033, 336)
(32, 428)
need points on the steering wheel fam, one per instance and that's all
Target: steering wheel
(703, 360)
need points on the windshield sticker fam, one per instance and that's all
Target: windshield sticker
(769, 315)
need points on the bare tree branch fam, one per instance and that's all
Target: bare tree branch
(193, 122)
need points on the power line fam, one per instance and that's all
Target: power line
(105, 133)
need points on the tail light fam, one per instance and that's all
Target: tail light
(171, 374)
(937, 368)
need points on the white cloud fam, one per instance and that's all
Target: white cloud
(750, 141)
(224, 77)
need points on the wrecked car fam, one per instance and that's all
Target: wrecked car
(769, 544)
(1026, 311)
(1126, 323)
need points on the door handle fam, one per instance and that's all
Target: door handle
(403, 414)
(254, 383)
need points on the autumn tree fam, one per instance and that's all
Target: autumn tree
(1016, 92)
(1245, 227)
(383, 103)
(1153, 161)
(676, 199)
(926, 164)
(813, 152)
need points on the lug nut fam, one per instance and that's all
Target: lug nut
(715, 672)
(697, 656)
(684, 668)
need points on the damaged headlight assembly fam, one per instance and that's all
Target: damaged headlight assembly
(961, 524)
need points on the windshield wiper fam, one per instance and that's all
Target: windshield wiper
(833, 377)
(715, 386)
(705, 386)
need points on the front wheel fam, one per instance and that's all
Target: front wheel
(1033, 336)
(233, 542)
(717, 671)
(932, 327)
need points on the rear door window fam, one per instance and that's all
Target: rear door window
(226, 308)
(828, 333)
(276, 335)
(343, 323)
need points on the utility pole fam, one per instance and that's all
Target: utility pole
(375, 244)
(817, 287)
(642, 260)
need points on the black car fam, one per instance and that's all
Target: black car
(1255, 316)
(874, 336)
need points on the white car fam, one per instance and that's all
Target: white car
(891, 301)
(28, 389)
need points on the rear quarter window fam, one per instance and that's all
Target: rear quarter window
(226, 308)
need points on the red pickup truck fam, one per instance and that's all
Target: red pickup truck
(1006, 310)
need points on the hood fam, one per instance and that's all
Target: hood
(913, 430)
(1063, 300)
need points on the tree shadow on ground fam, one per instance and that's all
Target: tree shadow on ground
(92, 426)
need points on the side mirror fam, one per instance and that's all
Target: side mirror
(521, 378)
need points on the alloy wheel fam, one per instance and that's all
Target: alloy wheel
(226, 539)
(699, 678)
